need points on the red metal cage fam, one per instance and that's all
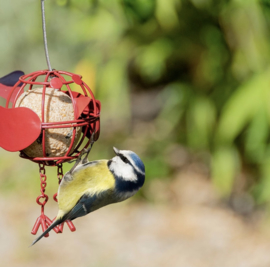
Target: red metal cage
(86, 111)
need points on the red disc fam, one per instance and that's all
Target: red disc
(77, 79)
(56, 83)
(20, 127)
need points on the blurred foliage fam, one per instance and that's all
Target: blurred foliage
(169, 73)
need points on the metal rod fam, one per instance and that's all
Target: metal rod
(45, 35)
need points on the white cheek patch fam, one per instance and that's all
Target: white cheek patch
(122, 170)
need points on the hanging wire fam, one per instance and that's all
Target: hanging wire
(45, 35)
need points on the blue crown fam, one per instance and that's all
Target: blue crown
(138, 162)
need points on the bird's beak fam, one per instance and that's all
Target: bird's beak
(116, 151)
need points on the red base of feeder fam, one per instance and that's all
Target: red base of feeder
(42, 199)
(45, 222)
(70, 225)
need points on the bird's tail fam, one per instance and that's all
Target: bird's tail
(55, 223)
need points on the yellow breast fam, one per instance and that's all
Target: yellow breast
(89, 179)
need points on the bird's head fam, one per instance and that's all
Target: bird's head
(127, 166)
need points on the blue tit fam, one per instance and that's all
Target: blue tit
(89, 186)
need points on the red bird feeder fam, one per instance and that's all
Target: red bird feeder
(86, 111)
(50, 117)
(27, 123)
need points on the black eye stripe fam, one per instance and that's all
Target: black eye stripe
(124, 159)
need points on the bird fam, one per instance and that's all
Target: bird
(90, 185)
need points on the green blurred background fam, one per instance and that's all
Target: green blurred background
(183, 83)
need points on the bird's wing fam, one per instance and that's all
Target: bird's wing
(88, 203)
(81, 208)
(89, 179)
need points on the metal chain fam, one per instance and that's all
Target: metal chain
(45, 35)
(43, 178)
(60, 172)
(59, 176)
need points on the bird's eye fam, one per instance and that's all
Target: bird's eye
(124, 159)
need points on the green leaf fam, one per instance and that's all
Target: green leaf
(151, 59)
(173, 97)
(244, 104)
(257, 136)
(225, 166)
(200, 122)
(139, 10)
(263, 188)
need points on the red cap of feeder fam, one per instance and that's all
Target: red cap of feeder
(85, 116)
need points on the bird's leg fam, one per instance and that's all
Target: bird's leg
(84, 160)
(84, 151)
(78, 160)
(92, 141)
